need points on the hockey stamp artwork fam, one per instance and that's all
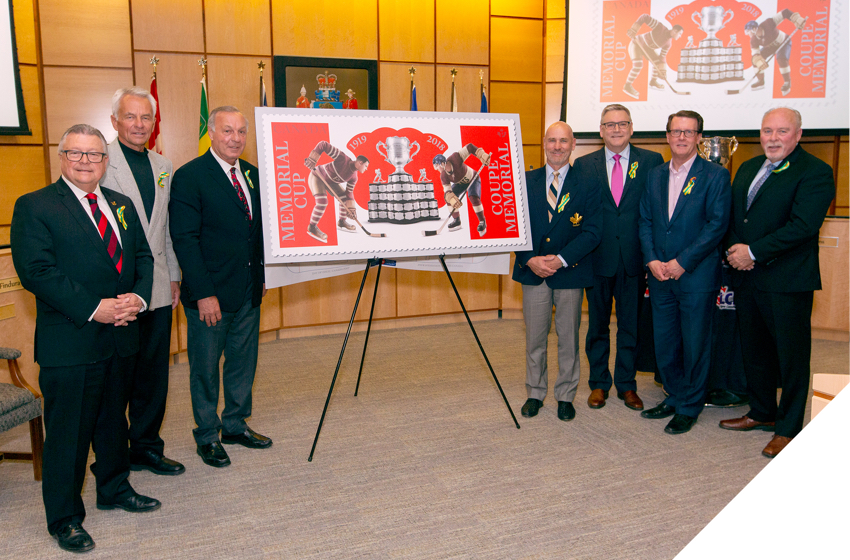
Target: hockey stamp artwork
(360, 184)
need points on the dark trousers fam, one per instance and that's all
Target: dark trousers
(148, 386)
(776, 333)
(84, 405)
(625, 290)
(681, 322)
(237, 336)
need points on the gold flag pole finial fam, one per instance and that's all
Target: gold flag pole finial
(154, 62)
(203, 64)
(481, 76)
(261, 65)
(454, 73)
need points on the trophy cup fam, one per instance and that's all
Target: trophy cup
(397, 152)
(712, 19)
(718, 149)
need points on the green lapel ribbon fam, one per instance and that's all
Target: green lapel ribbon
(120, 213)
(162, 176)
(783, 168)
(564, 200)
(248, 178)
(689, 187)
(633, 170)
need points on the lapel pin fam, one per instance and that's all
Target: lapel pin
(633, 170)
(120, 213)
(576, 219)
(162, 177)
(687, 190)
(784, 166)
(564, 200)
(248, 178)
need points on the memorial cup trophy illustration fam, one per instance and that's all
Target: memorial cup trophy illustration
(711, 62)
(718, 149)
(401, 200)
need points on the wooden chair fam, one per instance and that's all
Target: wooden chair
(21, 403)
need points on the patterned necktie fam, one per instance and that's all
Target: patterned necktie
(617, 180)
(106, 233)
(753, 191)
(552, 196)
(240, 193)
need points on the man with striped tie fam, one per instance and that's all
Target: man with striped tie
(566, 225)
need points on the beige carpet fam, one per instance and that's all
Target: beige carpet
(425, 463)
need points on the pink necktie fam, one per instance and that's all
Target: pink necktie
(617, 180)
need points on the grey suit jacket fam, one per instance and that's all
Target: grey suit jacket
(119, 178)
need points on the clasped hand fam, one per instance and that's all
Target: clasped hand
(545, 266)
(663, 271)
(738, 256)
(118, 311)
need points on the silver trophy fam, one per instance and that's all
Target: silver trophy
(378, 177)
(397, 152)
(718, 149)
(423, 176)
(712, 19)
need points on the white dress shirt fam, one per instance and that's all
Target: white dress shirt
(624, 162)
(562, 176)
(226, 167)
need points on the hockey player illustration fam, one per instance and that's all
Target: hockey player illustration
(351, 102)
(340, 177)
(302, 102)
(767, 40)
(652, 45)
(455, 176)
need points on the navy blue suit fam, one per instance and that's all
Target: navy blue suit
(682, 309)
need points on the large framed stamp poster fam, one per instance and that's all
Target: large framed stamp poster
(345, 185)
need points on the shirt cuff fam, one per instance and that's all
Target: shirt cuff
(563, 262)
(144, 303)
(750, 251)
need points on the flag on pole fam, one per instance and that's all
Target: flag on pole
(483, 92)
(413, 107)
(154, 142)
(203, 137)
(263, 102)
(454, 91)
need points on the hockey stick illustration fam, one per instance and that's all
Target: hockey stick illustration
(737, 91)
(354, 217)
(430, 233)
(643, 52)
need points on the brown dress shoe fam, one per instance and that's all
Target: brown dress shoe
(776, 445)
(631, 399)
(597, 398)
(745, 424)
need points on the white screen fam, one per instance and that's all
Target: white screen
(9, 101)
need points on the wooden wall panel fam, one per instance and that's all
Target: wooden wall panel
(843, 193)
(406, 30)
(395, 86)
(53, 156)
(525, 99)
(85, 33)
(511, 291)
(178, 78)
(463, 32)
(517, 8)
(747, 148)
(23, 172)
(18, 331)
(166, 25)
(326, 28)
(235, 81)
(556, 9)
(467, 84)
(32, 104)
(554, 93)
(532, 156)
(242, 27)
(25, 31)
(271, 318)
(425, 293)
(555, 37)
(516, 50)
(81, 95)
(830, 304)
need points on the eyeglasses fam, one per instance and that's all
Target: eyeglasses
(75, 155)
(616, 125)
(685, 133)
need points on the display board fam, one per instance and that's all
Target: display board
(13, 118)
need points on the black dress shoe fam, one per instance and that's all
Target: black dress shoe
(155, 462)
(214, 454)
(660, 411)
(566, 411)
(136, 503)
(680, 424)
(74, 538)
(248, 438)
(722, 398)
(531, 407)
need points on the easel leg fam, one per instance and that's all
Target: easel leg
(369, 327)
(339, 362)
(483, 353)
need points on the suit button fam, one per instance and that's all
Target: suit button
(745, 220)
(548, 240)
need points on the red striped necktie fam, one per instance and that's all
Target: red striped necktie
(240, 193)
(106, 233)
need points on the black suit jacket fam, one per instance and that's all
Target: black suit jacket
(619, 223)
(573, 232)
(60, 257)
(782, 225)
(219, 249)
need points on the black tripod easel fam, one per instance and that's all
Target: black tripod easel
(379, 262)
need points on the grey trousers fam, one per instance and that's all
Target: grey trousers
(537, 302)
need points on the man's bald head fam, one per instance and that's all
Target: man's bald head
(558, 143)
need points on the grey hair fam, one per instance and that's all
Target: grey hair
(614, 107)
(798, 118)
(135, 91)
(84, 130)
(223, 109)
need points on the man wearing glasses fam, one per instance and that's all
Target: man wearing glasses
(80, 249)
(619, 172)
(684, 214)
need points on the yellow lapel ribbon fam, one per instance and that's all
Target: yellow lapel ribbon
(248, 178)
(120, 213)
(633, 170)
(783, 167)
(564, 200)
(689, 187)
(162, 176)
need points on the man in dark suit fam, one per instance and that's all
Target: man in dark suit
(619, 172)
(684, 214)
(145, 177)
(779, 201)
(566, 220)
(81, 251)
(216, 228)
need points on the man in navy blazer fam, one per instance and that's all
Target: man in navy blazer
(619, 172)
(216, 229)
(566, 221)
(684, 214)
(779, 201)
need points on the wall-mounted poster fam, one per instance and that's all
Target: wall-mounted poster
(342, 185)
(325, 83)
